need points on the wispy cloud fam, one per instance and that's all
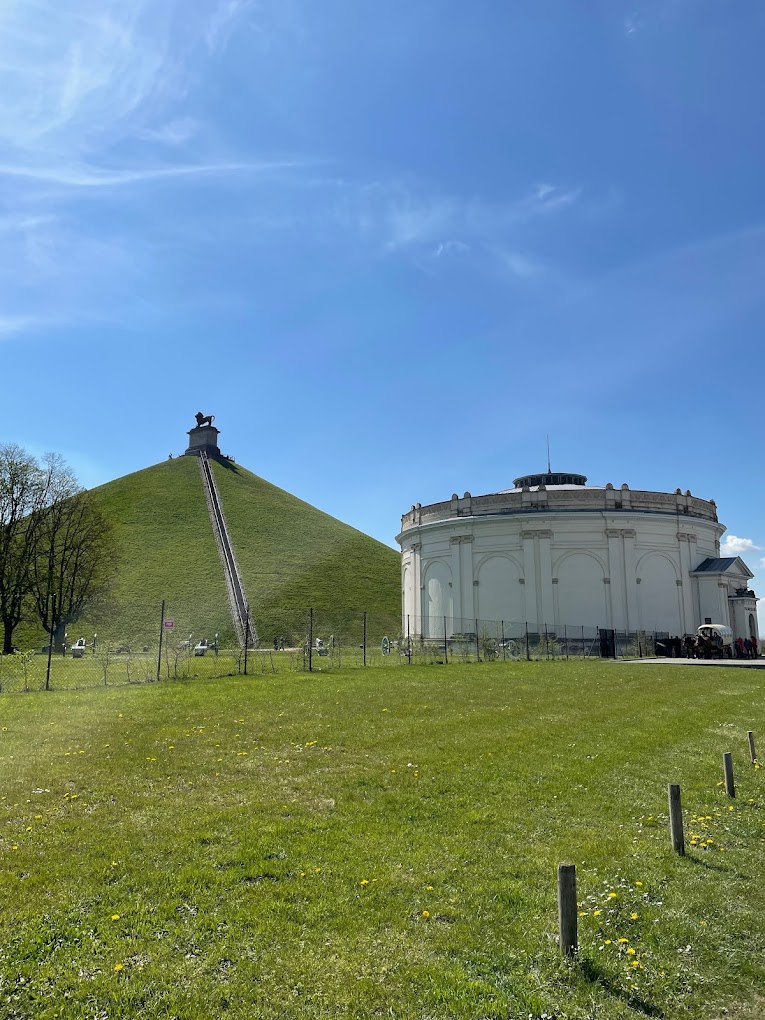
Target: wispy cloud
(732, 545)
(521, 266)
(84, 177)
(80, 76)
(222, 21)
(174, 132)
(12, 325)
(446, 248)
(403, 219)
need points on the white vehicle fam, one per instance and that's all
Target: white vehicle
(78, 648)
(714, 640)
(201, 647)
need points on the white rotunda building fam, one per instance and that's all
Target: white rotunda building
(555, 552)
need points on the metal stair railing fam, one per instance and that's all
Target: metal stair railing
(240, 612)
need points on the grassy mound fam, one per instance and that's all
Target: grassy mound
(291, 556)
(382, 844)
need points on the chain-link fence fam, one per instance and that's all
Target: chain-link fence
(119, 644)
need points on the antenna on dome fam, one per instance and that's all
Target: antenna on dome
(548, 454)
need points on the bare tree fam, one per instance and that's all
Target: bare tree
(21, 496)
(53, 539)
(73, 551)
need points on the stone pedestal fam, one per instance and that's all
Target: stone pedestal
(203, 438)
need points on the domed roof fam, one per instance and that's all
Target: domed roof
(547, 478)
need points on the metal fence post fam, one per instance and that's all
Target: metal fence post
(504, 650)
(528, 653)
(246, 637)
(161, 632)
(477, 646)
(310, 640)
(446, 647)
(50, 644)
(408, 642)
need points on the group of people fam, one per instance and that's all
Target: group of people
(746, 648)
(699, 647)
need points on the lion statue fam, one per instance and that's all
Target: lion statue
(204, 419)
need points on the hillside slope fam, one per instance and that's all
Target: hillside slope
(291, 555)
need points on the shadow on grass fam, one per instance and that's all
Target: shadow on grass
(229, 465)
(721, 868)
(591, 972)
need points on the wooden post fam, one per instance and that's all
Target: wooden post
(730, 789)
(567, 916)
(676, 819)
(752, 752)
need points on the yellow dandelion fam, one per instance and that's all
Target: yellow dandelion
(635, 964)
(622, 940)
(426, 913)
(119, 966)
(364, 881)
(633, 916)
(607, 942)
(429, 888)
(630, 951)
(638, 884)
(612, 896)
(596, 913)
(583, 913)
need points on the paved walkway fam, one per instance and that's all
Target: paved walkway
(735, 663)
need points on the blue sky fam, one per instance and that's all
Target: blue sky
(390, 246)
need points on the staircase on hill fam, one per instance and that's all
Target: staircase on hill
(240, 611)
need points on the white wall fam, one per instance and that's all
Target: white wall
(581, 591)
(438, 599)
(604, 569)
(500, 594)
(658, 595)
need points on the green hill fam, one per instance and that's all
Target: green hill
(291, 556)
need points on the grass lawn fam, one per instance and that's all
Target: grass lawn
(382, 843)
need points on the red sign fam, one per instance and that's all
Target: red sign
(169, 624)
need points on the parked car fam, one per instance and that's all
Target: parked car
(201, 647)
